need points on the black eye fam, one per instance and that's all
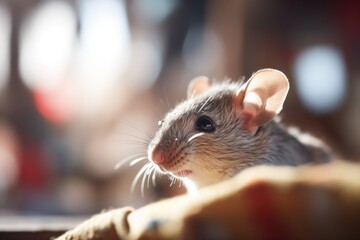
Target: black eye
(160, 123)
(204, 124)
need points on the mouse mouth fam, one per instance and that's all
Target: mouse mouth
(182, 173)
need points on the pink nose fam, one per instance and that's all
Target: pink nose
(157, 156)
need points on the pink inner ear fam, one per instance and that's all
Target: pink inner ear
(262, 97)
(252, 103)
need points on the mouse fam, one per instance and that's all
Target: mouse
(223, 128)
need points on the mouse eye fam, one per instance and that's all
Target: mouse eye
(160, 123)
(204, 124)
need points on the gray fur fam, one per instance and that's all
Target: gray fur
(231, 148)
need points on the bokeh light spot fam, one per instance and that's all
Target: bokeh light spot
(320, 77)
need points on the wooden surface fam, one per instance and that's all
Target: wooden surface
(36, 227)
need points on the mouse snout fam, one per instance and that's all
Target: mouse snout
(157, 156)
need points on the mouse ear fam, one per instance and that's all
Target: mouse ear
(262, 97)
(198, 85)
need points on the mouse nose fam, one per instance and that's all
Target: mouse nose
(157, 156)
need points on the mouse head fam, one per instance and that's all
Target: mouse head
(258, 100)
(212, 135)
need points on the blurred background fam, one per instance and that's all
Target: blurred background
(84, 82)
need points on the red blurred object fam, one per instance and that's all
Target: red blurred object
(56, 105)
(34, 170)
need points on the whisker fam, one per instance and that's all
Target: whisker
(173, 181)
(138, 175)
(145, 175)
(166, 97)
(136, 142)
(195, 136)
(170, 178)
(143, 180)
(147, 134)
(211, 97)
(135, 161)
(153, 178)
(126, 159)
(131, 135)
(149, 175)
